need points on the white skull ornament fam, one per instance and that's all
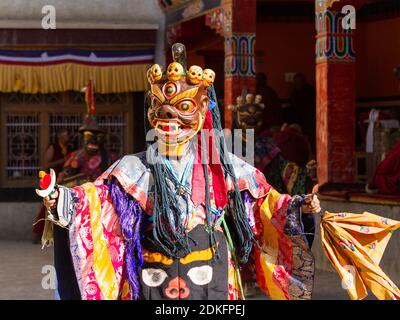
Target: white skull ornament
(174, 71)
(154, 74)
(258, 100)
(249, 98)
(208, 77)
(195, 74)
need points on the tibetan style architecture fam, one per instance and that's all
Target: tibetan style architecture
(340, 60)
(349, 58)
(42, 73)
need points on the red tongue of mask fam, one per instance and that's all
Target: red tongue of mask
(214, 167)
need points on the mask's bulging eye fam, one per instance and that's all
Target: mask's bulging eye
(153, 277)
(186, 106)
(201, 275)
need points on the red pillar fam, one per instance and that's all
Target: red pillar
(336, 95)
(240, 37)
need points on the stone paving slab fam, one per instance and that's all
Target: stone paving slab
(21, 275)
(21, 266)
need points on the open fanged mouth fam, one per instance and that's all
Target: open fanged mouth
(169, 128)
(173, 131)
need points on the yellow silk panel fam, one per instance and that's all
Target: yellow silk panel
(354, 244)
(102, 264)
(268, 258)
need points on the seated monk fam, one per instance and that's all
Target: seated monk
(386, 178)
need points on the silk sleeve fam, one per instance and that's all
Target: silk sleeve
(96, 244)
(283, 260)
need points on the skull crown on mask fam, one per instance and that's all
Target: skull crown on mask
(178, 101)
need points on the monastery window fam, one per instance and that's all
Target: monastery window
(23, 131)
(29, 124)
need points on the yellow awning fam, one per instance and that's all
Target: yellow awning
(72, 76)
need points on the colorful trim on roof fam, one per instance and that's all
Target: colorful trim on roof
(89, 57)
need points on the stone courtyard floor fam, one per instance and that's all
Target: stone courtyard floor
(22, 263)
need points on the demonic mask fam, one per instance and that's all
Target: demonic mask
(178, 105)
(93, 141)
(193, 276)
(248, 111)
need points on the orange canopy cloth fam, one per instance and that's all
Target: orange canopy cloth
(354, 244)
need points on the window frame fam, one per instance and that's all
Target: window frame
(66, 105)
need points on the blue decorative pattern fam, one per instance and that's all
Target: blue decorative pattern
(333, 42)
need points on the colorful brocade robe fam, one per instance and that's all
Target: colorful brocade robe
(284, 263)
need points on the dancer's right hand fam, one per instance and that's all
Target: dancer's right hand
(51, 202)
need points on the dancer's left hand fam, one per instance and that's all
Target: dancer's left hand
(311, 204)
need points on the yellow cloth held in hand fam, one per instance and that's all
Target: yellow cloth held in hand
(354, 244)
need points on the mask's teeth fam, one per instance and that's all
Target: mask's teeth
(168, 127)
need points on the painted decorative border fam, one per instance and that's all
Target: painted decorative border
(40, 57)
(239, 55)
(333, 42)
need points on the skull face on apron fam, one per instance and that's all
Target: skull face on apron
(196, 276)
